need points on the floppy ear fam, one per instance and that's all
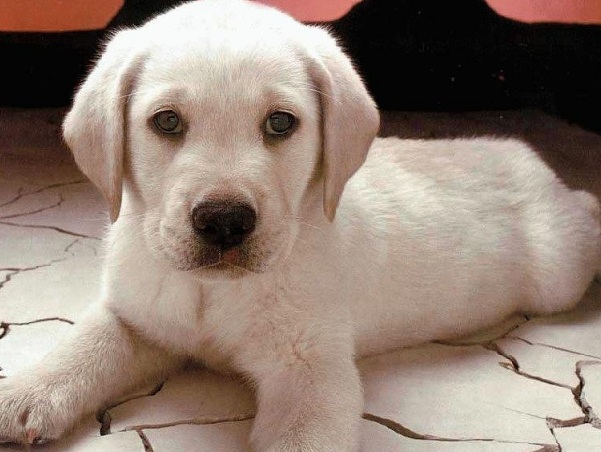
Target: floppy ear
(95, 127)
(350, 119)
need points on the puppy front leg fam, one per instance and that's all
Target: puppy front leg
(98, 362)
(308, 404)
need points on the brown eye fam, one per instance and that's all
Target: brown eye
(279, 123)
(167, 121)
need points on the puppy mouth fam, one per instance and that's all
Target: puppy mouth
(234, 257)
(215, 259)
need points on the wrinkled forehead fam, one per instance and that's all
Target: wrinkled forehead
(227, 65)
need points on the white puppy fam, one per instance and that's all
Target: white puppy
(224, 135)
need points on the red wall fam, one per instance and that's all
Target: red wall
(581, 11)
(59, 15)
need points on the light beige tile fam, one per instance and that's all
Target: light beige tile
(583, 438)
(24, 247)
(65, 283)
(191, 395)
(224, 437)
(75, 206)
(462, 393)
(26, 345)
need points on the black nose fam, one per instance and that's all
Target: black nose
(224, 224)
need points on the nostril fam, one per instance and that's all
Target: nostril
(224, 224)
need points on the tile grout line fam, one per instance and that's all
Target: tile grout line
(514, 366)
(41, 209)
(590, 417)
(408, 433)
(52, 228)
(145, 441)
(21, 195)
(554, 347)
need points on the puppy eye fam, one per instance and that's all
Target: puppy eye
(167, 121)
(279, 123)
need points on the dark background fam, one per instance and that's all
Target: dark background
(420, 55)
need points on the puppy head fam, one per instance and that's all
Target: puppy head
(217, 123)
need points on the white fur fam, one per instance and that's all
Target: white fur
(430, 239)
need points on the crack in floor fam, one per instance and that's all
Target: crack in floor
(590, 417)
(52, 228)
(559, 423)
(21, 194)
(514, 366)
(202, 420)
(5, 326)
(12, 271)
(554, 347)
(104, 416)
(145, 441)
(559, 448)
(408, 433)
(41, 209)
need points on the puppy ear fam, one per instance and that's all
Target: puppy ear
(95, 127)
(350, 119)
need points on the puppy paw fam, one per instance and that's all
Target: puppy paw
(31, 412)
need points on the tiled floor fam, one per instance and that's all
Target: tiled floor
(529, 385)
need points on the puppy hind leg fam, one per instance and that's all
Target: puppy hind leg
(566, 251)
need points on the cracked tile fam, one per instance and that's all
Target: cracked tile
(23, 203)
(375, 437)
(462, 393)
(74, 206)
(590, 372)
(56, 278)
(25, 345)
(24, 248)
(226, 437)
(196, 395)
(546, 363)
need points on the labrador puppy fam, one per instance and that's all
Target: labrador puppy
(253, 232)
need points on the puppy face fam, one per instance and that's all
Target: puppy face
(228, 127)
(218, 124)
